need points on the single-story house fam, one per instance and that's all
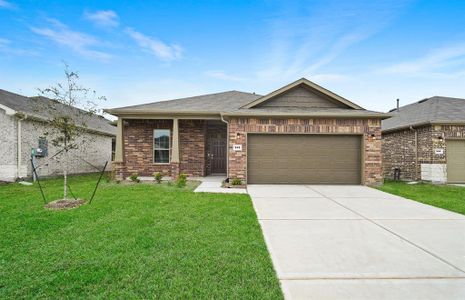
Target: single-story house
(426, 140)
(24, 127)
(300, 133)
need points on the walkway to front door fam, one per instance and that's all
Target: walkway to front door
(355, 242)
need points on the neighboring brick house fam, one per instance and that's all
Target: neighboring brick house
(301, 133)
(426, 140)
(23, 128)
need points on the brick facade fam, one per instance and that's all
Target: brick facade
(193, 142)
(399, 150)
(138, 148)
(369, 128)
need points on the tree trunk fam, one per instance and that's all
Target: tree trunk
(65, 176)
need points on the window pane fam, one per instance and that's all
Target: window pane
(162, 138)
(162, 156)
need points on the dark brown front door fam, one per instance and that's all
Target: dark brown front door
(218, 154)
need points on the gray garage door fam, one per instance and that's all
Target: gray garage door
(300, 158)
(455, 161)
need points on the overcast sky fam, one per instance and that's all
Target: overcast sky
(370, 52)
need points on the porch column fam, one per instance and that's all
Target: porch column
(175, 146)
(119, 141)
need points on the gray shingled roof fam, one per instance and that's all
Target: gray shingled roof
(37, 107)
(230, 103)
(210, 103)
(436, 109)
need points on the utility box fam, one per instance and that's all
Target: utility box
(42, 149)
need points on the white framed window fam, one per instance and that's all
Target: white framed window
(161, 146)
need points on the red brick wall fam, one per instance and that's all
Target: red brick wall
(192, 147)
(239, 127)
(138, 148)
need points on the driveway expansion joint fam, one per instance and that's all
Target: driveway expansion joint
(390, 231)
(317, 250)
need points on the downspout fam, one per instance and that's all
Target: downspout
(227, 145)
(416, 152)
(18, 145)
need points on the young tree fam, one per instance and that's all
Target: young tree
(68, 107)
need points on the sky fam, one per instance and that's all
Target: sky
(132, 52)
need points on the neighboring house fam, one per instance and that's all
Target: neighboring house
(301, 133)
(426, 140)
(23, 129)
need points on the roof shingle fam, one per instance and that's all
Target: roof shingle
(32, 106)
(436, 109)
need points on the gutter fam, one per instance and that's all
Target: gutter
(117, 112)
(309, 115)
(245, 113)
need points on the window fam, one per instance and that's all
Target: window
(161, 146)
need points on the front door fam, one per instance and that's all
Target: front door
(217, 154)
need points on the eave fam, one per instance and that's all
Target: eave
(421, 124)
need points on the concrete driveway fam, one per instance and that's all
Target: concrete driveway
(355, 242)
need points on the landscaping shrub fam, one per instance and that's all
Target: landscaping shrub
(236, 181)
(134, 177)
(157, 176)
(181, 181)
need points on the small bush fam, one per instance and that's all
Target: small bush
(181, 181)
(236, 181)
(134, 177)
(157, 176)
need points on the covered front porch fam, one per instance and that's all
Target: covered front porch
(171, 146)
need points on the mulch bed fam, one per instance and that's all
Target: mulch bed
(64, 204)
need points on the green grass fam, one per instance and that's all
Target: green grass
(133, 241)
(444, 196)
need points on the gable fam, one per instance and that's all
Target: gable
(301, 96)
(303, 93)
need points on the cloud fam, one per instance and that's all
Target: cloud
(7, 49)
(156, 47)
(304, 39)
(433, 63)
(223, 76)
(323, 78)
(78, 42)
(7, 5)
(104, 18)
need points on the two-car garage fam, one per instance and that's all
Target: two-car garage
(304, 158)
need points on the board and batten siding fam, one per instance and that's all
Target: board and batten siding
(301, 97)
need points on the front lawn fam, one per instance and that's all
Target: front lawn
(444, 196)
(133, 241)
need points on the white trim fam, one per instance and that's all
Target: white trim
(8, 111)
(164, 149)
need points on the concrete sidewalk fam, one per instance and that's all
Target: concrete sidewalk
(212, 184)
(355, 242)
